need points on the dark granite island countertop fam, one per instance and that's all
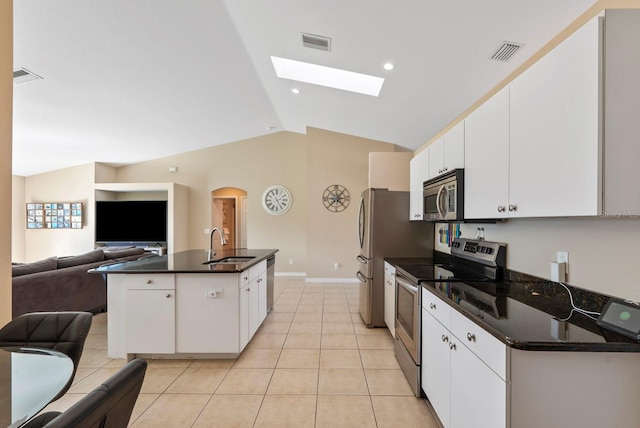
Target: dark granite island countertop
(190, 261)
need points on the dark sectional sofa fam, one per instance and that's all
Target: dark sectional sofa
(63, 284)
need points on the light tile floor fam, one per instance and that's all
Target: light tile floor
(313, 363)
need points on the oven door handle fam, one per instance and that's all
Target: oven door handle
(407, 286)
(439, 207)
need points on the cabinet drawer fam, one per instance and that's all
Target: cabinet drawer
(150, 282)
(489, 349)
(436, 307)
(244, 278)
(256, 270)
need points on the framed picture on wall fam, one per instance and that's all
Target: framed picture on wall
(50, 215)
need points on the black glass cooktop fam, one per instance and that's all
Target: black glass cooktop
(439, 271)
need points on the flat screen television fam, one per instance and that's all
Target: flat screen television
(131, 222)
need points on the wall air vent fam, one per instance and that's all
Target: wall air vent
(316, 42)
(506, 51)
(22, 75)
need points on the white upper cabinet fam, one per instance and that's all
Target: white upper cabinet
(621, 113)
(561, 139)
(555, 130)
(436, 157)
(447, 152)
(419, 173)
(486, 174)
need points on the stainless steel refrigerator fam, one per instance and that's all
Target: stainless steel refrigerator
(384, 230)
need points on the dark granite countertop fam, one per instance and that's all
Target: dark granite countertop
(191, 261)
(530, 313)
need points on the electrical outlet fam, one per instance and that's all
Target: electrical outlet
(563, 257)
(290, 261)
(206, 230)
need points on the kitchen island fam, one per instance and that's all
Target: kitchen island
(185, 304)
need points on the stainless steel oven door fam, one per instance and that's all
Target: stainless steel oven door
(408, 316)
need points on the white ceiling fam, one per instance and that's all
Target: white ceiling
(127, 81)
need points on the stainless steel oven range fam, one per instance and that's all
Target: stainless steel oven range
(472, 260)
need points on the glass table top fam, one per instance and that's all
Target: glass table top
(29, 379)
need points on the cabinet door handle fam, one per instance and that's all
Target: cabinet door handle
(513, 207)
(452, 346)
(149, 281)
(432, 305)
(248, 289)
(500, 208)
(445, 338)
(168, 295)
(471, 337)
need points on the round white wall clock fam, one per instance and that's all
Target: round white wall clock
(276, 200)
(336, 198)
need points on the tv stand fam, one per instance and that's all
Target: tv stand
(160, 251)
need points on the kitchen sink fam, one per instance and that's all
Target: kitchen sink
(230, 259)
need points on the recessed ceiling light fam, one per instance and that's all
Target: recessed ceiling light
(388, 66)
(295, 90)
(327, 76)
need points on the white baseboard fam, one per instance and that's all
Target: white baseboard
(331, 280)
(290, 274)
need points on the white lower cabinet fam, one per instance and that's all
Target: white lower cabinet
(253, 303)
(478, 395)
(436, 366)
(463, 390)
(390, 297)
(207, 313)
(150, 314)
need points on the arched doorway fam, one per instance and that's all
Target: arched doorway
(229, 214)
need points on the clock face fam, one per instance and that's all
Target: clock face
(276, 200)
(336, 198)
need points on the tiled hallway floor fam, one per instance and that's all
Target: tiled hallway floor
(313, 363)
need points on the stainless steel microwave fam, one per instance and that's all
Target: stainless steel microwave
(443, 197)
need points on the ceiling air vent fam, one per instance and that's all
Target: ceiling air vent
(506, 51)
(316, 42)
(23, 75)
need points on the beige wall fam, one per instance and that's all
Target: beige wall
(74, 184)
(306, 164)
(6, 105)
(332, 237)
(18, 219)
(603, 254)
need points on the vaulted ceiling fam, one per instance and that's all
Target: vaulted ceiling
(128, 81)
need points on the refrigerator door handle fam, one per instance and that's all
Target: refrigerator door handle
(361, 222)
(361, 277)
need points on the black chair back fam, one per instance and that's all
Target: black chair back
(110, 405)
(64, 332)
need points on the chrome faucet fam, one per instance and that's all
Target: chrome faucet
(212, 253)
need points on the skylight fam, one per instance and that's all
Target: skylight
(327, 76)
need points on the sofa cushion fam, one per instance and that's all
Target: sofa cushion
(39, 266)
(126, 252)
(82, 259)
